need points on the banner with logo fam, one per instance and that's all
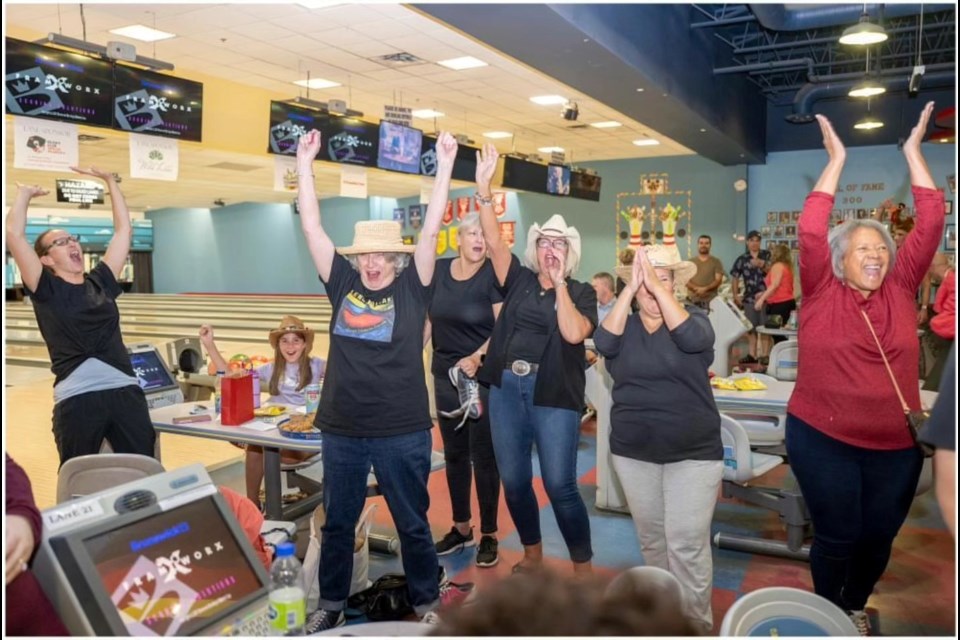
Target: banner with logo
(284, 174)
(448, 213)
(416, 216)
(499, 203)
(45, 145)
(353, 181)
(400, 215)
(463, 207)
(454, 238)
(508, 232)
(154, 158)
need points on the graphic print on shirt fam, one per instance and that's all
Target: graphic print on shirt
(366, 320)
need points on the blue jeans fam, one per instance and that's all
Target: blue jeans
(516, 424)
(402, 465)
(858, 499)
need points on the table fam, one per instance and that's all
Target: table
(772, 401)
(782, 331)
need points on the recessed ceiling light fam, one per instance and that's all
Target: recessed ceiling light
(702, 130)
(497, 134)
(866, 89)
(640, 89)
(548, 100)
(868, 122)
(550, 149)
(316, 83)
(459, 64)
(427, 113)
(608, 124)
(646, 142)
(142, 33)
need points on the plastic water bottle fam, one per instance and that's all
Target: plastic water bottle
(218, 392)
(288, 603)
(256, 389)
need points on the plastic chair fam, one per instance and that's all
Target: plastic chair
(105, 447)
(84, 475)
(783, 360)
(763, 431)
(783, 611)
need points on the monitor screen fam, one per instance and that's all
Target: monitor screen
(585, 185)
(44, 82)
(399, 148)
(151, 372)
(155, 104)
(558, 180)
(350, 141)
(464, 168)
(288, 122)
(520, 174)
(170, 573)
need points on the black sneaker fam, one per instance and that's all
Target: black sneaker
(748, 359)
(468, 392)
(454, 541)
(487, 552)
(322, 619)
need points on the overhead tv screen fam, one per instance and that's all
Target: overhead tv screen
(44, 82)
(155, 104)
(585, 186)
(350, 141)
(464, 168)
(399, 148)
(528, 176)
(558, 180)
(288, 122)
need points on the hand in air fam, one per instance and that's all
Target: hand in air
(206, 334)
(446, 149)
(32, 190)
(831, 141)
(307, 149)
(912, 145)
(106, 176)
(486, 166)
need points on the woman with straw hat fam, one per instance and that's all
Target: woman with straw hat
(292, 343)
(374, 408)
(534, 367)
(664, 424)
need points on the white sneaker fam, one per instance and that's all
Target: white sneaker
(860, 621)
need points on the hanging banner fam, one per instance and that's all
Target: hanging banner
(79, 191)
(153, 158)
(454, 238)
(448, 213)
(415, 217)
(499, 203)
(284, 173)
(441, 243)
(398, 115)
(400, 215)
(45, 145)
(353, 181)
(508, 233)
(463, 207)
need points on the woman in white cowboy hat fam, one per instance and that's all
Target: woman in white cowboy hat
(292, 343)
(374, 408)
(534, 367)
(665, 427)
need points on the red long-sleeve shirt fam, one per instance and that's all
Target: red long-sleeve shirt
(843, 388)
(944, 323)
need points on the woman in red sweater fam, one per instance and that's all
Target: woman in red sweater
(847, 437)
(778, 296)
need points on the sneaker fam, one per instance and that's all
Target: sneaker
(454, 593)
(748, 359)
(860, 621)
(454, 541)
(468, 391)
(431, 618)
(322, 619)
(487, 552)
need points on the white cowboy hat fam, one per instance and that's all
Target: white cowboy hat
(555, 227)
(664, 257)
(377, 236)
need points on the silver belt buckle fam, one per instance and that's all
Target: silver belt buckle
(520, 367)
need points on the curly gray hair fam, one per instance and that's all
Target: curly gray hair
(399, 260)
(839, 241)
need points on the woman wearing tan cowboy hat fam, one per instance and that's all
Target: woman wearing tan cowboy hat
(535, 371)
(374, 408)
(665, 427)
(292, 342)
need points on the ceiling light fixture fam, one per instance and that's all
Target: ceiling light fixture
(608, 124)
(863, 33)
(496, 135)
(465, 62)
(868, 122)
(550, 149)
(427, 113)
(646, 142)
(142, 33)
(570, 111)
(548, 100)
(866, 89)
(316, 83)
(103, 52)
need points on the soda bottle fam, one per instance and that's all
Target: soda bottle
(218, 391)
(256, 389)
(287, 610)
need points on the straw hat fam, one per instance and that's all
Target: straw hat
(377, 236)
(555, 227)
(292, 324)
(664, 257)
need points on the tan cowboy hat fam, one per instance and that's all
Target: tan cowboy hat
(555, 227)
(292, 324)
(664, 257)
(377, 236)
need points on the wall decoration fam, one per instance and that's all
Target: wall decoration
(772, 217)
(952, 182)
(950, 237)
(508, 232)
(415, 216)
(448, 212)
(155, 158)
(948, 207)
(45, 145)
(784, 217)
(400, 214)
(790, 230)
(463, 207)
(655, 211)
(765, 232)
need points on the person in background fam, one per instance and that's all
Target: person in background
(462, 313)
(28, 610)
(941, 433)
(752, 267)
(900, 228)
(374, 409)
(943, 325)
(702, 288)
(535, 369)
(664, 424)
(777, 299)
(847, 438)
(292, 343)
(96, 394)
(604, 286)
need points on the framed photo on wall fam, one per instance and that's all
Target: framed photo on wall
(772, 217)
(950, 237)
(948, 207)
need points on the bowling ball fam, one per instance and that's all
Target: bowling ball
(240, 362)
(258, 361)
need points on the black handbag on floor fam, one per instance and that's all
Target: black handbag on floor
(386, 599)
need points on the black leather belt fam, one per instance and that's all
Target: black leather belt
(522, 367)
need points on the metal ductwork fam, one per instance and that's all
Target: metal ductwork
(776, 17)
(813, 92)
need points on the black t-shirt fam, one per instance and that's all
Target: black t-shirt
(80, 321)
(941, 428)
(374, 383)
(461, 313)
(663, 408)
(534, 314)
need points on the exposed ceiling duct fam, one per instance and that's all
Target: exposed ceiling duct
(777, 17)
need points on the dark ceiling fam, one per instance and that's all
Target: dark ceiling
(732, 82)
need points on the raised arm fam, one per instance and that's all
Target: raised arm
(318, 242)
(574, 326)
(119, 247)
(217, 361)
(22, 251)
(670, 308)
(836, 157)
(426, 252)
(616, 320)
(499, 251)
(919, 171)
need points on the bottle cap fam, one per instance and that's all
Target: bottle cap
(285, 549)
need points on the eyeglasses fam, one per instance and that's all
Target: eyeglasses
(545, 243)
(62, 242)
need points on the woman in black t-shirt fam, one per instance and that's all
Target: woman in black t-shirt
(97, 397)
(534, 367)
(462, 313)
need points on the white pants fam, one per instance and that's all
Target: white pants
(672, 507)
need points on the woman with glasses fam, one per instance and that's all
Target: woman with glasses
(534, 367)
(96, 394)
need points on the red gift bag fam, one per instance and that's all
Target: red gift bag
(237, 399)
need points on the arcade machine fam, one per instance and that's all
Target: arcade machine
(729, 324)
(158, 383)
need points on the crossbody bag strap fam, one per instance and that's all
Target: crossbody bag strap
(903, 403)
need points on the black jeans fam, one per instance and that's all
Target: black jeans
(80, 423)
(469, 449)
(858, 499)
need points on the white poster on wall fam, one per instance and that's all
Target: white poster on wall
(44, 145)
(284, 173)
(153, 157)
(353, 181)
(426, 189)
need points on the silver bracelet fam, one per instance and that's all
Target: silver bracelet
(486, 201)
